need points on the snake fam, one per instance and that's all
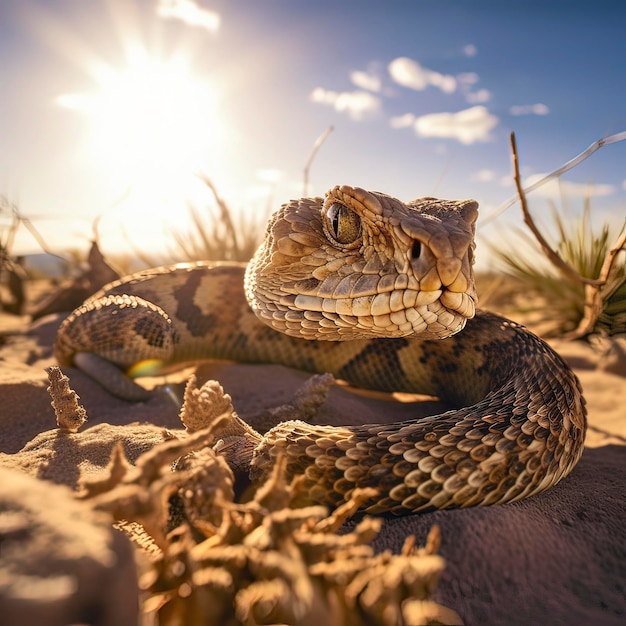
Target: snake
(382, 294)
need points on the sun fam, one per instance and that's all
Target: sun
(154, 126)
(151, 117)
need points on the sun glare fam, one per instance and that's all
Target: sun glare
(152, 117)
(154, 127)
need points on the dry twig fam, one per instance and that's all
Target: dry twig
(552, 255)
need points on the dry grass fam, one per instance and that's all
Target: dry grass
(213, 239)
(218, 233)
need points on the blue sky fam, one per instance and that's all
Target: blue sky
(110, 108)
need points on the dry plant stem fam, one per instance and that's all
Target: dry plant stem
(19, 219)
(316, 146)
(609, 261)
(594, 296)
(593, 286)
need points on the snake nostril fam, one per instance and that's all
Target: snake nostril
(416, 250)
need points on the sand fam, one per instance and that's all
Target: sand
(556, 558)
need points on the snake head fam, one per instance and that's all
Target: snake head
(358, 264)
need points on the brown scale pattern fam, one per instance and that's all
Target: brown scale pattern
(524, 436)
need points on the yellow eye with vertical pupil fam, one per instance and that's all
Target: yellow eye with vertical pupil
(344, 225)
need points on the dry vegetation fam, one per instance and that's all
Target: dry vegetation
(556, 302)
(221, 237)
(211, 557)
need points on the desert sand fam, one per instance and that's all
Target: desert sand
(556, 558)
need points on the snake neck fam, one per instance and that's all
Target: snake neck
(522, 436)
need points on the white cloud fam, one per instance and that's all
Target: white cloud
(358, 104)
(467, 126)
(411, 74)
(408, 73)
(624, 184)
(468, 78)
(189, 12)
(484, 176)
(529, 109)
(470, 50)
(445, 82)
(366, 81)
(478, 97)
(402, 121)
(323, 96)
(556, 188)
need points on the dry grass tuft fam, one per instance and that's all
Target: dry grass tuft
(219, 236)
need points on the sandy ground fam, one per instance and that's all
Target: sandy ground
(557, 558)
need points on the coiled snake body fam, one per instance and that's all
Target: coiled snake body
(389, 285)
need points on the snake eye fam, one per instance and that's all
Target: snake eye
(344, 225)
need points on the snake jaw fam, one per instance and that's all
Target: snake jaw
(363, 264)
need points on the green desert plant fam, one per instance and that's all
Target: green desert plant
(581, 280)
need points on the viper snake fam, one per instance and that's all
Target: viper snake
(379, 293)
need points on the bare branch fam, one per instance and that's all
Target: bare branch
(609, 261)
(39, 239)
(17, 220)
(596, 291)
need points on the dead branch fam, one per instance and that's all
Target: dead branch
(595, 296)
(17, 220)
(609, 261)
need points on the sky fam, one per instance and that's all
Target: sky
(113, 110)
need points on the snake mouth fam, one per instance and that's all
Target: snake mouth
(397, 313)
